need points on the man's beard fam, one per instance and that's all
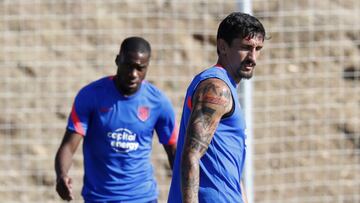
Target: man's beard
(247, 74)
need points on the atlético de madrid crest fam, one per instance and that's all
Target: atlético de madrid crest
(143, 113)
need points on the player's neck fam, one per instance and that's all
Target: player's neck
(121, 89)
(221, 63)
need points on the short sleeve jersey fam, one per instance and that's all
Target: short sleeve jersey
(117, 144)
(222, 164)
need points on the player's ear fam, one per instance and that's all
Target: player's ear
(117, 60)
(221, 44)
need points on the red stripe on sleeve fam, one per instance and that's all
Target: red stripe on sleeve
(174, 136)
(77, 124)
(189, 102)
(218, 65)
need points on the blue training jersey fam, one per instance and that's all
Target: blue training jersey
(117, 144)
(222, 164)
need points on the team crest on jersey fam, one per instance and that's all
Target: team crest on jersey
(143, 113)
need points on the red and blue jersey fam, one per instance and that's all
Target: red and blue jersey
(117, 144)
(222, 164)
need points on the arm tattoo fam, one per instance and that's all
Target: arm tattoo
(211, 101)
(197, 144)
(202, 117)
(215, 100)
(190, 181)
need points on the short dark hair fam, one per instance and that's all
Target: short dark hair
(135, 44)
(239, 25)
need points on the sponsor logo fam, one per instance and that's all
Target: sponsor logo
(143, 113)
(123, 140)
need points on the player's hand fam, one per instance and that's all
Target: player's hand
(64, 188)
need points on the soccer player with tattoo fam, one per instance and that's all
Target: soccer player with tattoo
(211, 147)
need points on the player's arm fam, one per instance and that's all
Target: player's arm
(167, 130)
(63, 161)
(243, 192)
(170, 151)
(212, 99)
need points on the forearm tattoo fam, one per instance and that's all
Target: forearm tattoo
(210, 102)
